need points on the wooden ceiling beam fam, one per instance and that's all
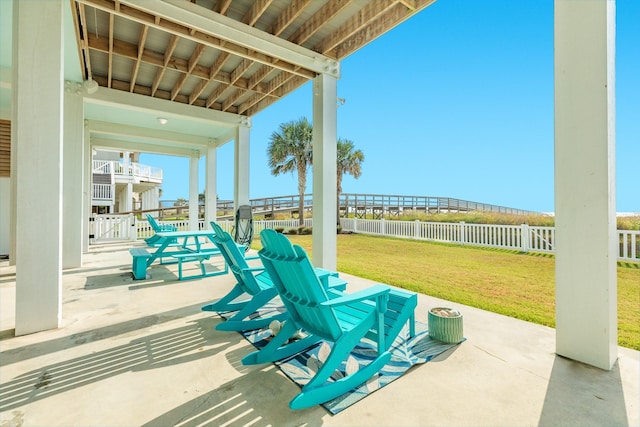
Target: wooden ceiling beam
(286, 18)
(136, 66)
(222, 6)
(129, 50)
(357, 22)
(389, 19)
(324, 14)
(84, 41)
(258, 8)
(168, 53)
(161, 94)
(215, 68)
(191, 64)
(207, 25)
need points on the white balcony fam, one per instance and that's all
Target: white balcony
(124, 172)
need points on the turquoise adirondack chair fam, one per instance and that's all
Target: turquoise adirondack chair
(157, 228)
(333, 316)
(252, 282)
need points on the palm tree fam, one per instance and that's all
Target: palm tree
(349, 161)
(290, 150)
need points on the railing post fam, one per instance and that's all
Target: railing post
(463, 232)
(133, 229)
(416, 229)
(355, 224)
(383, 227)
(525, 233)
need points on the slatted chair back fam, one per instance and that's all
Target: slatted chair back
(298, 285)
(235, 260)
(159, 228)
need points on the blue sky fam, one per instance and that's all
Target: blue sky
(455, 102)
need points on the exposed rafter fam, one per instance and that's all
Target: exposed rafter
(232, 56)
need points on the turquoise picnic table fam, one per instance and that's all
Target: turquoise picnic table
(182, 246)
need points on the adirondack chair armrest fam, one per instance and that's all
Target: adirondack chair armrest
(371, 293)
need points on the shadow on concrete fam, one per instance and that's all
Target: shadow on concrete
(179, 345)
(581, 395)
(29, 351)
(254, 399)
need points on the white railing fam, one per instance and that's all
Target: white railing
(629, 245)
(103, 192)
(112, 228)
(523, 237)
(102, 166)
(149, 172)
(127, 169)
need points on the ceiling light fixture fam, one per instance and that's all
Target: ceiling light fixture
(162, 120)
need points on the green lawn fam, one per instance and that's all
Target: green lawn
(506, 282)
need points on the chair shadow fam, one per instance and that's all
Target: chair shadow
(259, 398)
(179, 345)
(581, 395)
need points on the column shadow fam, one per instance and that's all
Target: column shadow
(581, 395)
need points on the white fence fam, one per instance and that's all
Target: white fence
(523, 237)
(105, 228)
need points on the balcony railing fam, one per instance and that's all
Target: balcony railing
(147, 173)
(103, 192)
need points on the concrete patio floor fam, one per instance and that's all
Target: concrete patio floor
(143, 354)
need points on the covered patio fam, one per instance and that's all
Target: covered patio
(87, 73)
(143, 353)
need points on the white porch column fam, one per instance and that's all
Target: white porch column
(72, 180)
(38, 102)
(210, 187)
(126, 198)
(193, 192)
(87, 188)
(585, 203)
(324, 172)
(241, 169)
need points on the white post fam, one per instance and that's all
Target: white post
(324, 171)
(241, 170)
(126, 199)
(193, 192)
(211, 190)
(72, 178)
(38, 102)
(525, 234)
(133, 228)
(87, 189)
(586, 281)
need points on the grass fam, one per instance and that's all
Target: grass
(506, 282)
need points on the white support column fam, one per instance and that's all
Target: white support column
(211, 190)
(72, 180)
(193, 192)
(241, 169)
(38, 102)
(87, 189)
(324, 172)
(126, 198)
(586, 238)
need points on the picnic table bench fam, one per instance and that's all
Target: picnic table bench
(181, 246)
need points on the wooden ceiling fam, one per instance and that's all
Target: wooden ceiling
(237, 56)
